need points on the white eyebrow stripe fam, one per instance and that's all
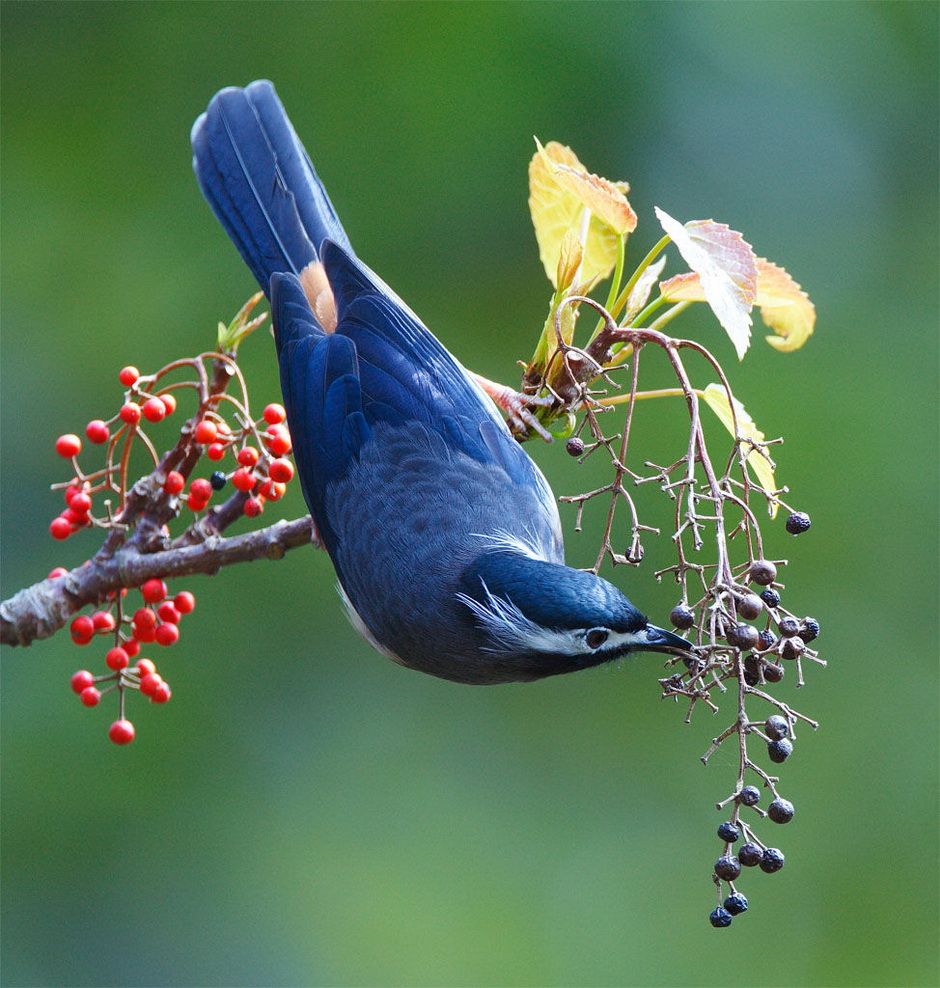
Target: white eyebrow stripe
(511, 630)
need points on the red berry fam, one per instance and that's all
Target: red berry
(272, 491)
(68, 445)
(90, 696)
(274, 413)
(161, 693)
(144, 633)
(130, 413)
(243, 479)
(153, 591)
(174, 482)
(149, 682)
(121, 732)
(169, 403)
(56, 573)
(281, 471)
(167, 634)
(81, 629)
(216, 451)
(73, 489)
(248, 456)
(97, 431)
(253, 507)
(80, 503)
(60, 528)
(144, 617)
(74, 518)
(154, 410)
(132, 647)
(103, 621)
(81, 680)
(201, 488)
(278, 440)
(195, 503)
(185, 602)
(146, 667)
(168, 612)
(128, 376)
(117, 658)
(206, 432)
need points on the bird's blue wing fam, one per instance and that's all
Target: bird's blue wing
(408, 375)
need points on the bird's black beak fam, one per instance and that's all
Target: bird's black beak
(660, 640)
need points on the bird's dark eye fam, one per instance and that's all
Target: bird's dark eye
(596, 637)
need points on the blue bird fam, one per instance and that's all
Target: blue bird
(444, 534)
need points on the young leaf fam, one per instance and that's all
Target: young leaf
(570, 256)
(560, 190)
(640, 293)
(727, 268)
(717, 399)
(783, 305)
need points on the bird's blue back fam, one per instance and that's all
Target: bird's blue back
(406, 466)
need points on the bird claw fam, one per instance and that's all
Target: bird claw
(516, 405)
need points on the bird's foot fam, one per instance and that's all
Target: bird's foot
(517, 406)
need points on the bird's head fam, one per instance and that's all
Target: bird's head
(537, 618)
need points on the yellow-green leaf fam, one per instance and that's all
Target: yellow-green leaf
(569, 260)
(727, 268)
(561, 193)
(717, 399)
(783, 305)
(640, 293)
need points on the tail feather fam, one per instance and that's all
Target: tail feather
(258, 179)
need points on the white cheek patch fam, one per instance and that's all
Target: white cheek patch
(511, 630)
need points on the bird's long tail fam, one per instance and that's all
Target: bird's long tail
(261, 185)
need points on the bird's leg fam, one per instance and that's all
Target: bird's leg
(516, 405)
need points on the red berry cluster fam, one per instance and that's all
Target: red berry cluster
(156, 621)
(260, 448)
(221, 428)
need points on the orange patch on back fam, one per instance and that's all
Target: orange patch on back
(319, 294)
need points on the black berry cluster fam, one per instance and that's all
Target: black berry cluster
(746, 639)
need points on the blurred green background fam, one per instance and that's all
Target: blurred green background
(305, 812)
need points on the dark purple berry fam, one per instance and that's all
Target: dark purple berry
(792, 648)
(777, 727)
(751, 671)
(728, 832)
(798, 523)
(771, 860)
(780, 810)
(736, 904)
(728, 867)
(780, 750)
(770, 597)
(765, 640)
(682, 617)
(742, 636)
(719, 918)
(749, 606)
(574, 446)
(809, 629)
(217, 480)
(763, 572)
(749, 795)
(772, 673)
(788, 627)
(750, 854)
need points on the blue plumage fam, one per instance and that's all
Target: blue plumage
(444, 534)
